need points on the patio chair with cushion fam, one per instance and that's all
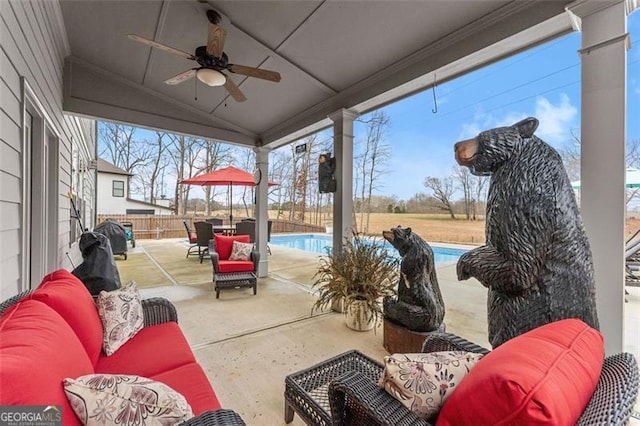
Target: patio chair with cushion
(514, 382)
(235, 262)
(204, 232)
(192, 238)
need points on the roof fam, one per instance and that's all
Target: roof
(106, 167)
(146, 203)
(332, 55)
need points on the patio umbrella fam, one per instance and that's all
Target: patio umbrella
(228, 176)
(632, 179)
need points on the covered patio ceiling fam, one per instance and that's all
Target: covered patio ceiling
(356, 55)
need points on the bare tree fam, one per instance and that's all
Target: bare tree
(479, 185)
(570, 155)
(148, 175)
(464, 178)
(442, 191)
(119, 147)
(280, 169)
(301, 162)
(184, 154)
(371, 162)
(247, 161)
(216, 155)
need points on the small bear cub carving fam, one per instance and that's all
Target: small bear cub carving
(419, 306)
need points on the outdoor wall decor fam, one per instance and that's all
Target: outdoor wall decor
(419, 305)
(537, 261)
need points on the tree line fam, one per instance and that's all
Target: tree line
(158, 161)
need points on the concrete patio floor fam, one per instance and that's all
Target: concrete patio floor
(247, 344)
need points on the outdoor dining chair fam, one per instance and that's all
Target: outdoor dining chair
(204, 233)
(251, 230)
(216, 221)
(192, 238)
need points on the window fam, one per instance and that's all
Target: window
(118, 188)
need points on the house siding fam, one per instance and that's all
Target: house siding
(108, 204)
(33, 47)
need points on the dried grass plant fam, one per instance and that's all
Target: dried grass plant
(362, 270)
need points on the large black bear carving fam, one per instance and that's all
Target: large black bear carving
(537, 261)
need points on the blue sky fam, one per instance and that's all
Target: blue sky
(543, 82)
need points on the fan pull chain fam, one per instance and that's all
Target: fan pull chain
(195, 82)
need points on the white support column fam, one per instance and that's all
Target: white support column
(603, 134)
(262, 208)
(343, 197)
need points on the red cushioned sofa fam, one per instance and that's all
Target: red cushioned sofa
(55, 332)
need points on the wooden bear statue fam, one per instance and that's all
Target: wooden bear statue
(419, 306)
(537, 261)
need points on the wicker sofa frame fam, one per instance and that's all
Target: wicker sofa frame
(158, 310)
(356, 400)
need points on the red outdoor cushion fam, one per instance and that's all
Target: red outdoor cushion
(68, 296)
(193, 238)
(544, 376)
(191, 381)
(226, 266)
(38, 350)
(224, 244)
(152, 350)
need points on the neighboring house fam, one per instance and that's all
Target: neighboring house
(113, 196)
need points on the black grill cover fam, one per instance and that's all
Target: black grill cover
(116, 234)
(98, 271)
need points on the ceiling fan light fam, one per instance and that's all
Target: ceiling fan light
(211, 77)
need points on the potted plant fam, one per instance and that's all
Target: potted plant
(360, 274)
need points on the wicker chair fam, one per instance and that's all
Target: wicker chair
(356, 400)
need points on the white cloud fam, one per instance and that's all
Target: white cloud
(483, 121)
(556, 120)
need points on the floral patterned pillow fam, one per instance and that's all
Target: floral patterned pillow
(121, 315)
(105, 399)
(241, 251)
(424, 381)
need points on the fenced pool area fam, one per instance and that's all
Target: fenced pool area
(319, 243)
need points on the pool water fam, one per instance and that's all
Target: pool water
(318, 243)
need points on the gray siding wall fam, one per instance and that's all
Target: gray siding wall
(33, 46)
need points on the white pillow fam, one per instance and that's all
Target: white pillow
(121, 315)
(424, 381)
(106, 399)
(241, 251)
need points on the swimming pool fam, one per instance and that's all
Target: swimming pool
(318, 243)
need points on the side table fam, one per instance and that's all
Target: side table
(233, 280)
(306, 392)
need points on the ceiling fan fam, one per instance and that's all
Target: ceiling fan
(212, 60)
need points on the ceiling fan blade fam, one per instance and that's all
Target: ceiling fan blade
(234, 91)
(255, 72)
(183, 76)
(215, 40)
(157, 45)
